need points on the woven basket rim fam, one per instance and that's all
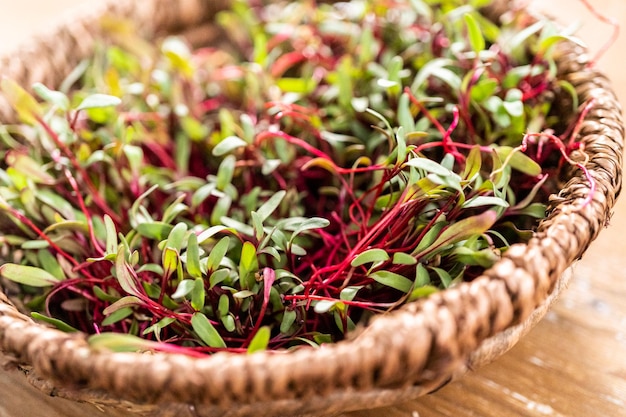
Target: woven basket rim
(417, 348)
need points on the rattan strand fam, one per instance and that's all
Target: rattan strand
(400, 355)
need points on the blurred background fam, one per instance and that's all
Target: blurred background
(574, 362)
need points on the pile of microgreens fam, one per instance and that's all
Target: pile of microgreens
(321, 164)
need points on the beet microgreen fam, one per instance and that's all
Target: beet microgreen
(324, 164)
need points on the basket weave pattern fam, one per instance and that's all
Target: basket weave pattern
(401, 355)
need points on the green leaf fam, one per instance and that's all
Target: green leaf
(194, 130)
(393, 280)
(320, 339)
(296, 85)
(401, 258)
(271, 205)
(429, 237)
(124, 302)
(136, 215)
(422, 8)
(240, 227)
(28, 275)
(59, 324)
(202, 193)
(257, 224)
(343, 322)
(117, 316)
(229, 322)
(25, 105)
(348, 293)
(519, 161)
(119, 342)
(272, 251)
(67, 225)
(401, 148)
(473, 164)
(182, 144)
(35, 244)
(75, 75)
(513, 103)
(218, 276)
(184, 287)
(571, 90)
(205, 331)
(514, 108)
(450, 181)
(289, 318)
(217, 253)
(98, 101)
(344, 81)
(381, 118)
(260, 340)
(519, 39)
(421, 292)
(193, 256)
(477, 41)
(550, 41)
(324, 306)
(405, 117)
(170, 261)
(484, 89)
(228, 145)
(429, 166)
(311, 223)
(422, 277)
(320, 162)
(243, 294)
(210, 232)
(467, 256)
(27, 166)
(134, 155)
(198, 294)
(496, 106)
(537, 210)
(154, 230)
(297, 250)
(48, 262)
(158, 326)
(444, 276)
(387, 84)
(270, 165)
(176, 236)
(370, 256)
(248, 265)
(124, 275)
(433, 67)
(104, 296)
(56, 98)
(179, 55)
(111, 235)
(223, 305)
(464, 229)
(225, 172)
(482, 200)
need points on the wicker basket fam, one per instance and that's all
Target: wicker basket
(400, 356)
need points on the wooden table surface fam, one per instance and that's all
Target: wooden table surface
(573, 364)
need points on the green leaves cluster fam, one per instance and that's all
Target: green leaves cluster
(328, 163)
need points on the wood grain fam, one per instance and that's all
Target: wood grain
(573, 364)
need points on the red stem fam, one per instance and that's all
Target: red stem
(564, 152)
(95, 194)
(83, 208)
